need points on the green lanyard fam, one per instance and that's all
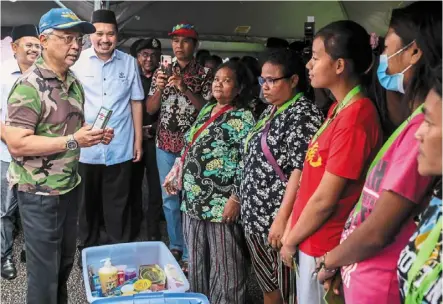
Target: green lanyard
(203, 112)
(385, 148)
(416, 295)
(337, 110)
(261, 123)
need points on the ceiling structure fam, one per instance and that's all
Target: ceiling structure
(215, 21)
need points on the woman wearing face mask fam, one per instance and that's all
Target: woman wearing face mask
(382, 221)
(273, 154)
(338, 155)
(419, 266)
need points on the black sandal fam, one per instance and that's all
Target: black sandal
(185, 267)
(177, 254)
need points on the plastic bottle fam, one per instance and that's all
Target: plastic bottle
(108, 277)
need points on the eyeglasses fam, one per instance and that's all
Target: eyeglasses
(146, 55)
(270, 81)
(70, 39)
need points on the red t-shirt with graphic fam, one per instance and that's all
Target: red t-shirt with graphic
(345, 148)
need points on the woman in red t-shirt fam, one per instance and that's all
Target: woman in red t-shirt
(338, 155)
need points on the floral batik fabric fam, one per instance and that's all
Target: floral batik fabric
(261, 189)
(177, 113)
(211, 166)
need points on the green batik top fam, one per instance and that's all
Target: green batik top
(211, 170)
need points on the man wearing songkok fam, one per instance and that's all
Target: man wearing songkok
(112, 83)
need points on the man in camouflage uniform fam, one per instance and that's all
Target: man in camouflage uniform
(44, 133)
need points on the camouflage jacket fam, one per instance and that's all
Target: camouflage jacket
(42, 102)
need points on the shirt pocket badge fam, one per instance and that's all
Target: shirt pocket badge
(122, 78)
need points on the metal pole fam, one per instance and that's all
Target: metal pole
(107, 4)
(97, 5)
(343, 10)
(60, 3)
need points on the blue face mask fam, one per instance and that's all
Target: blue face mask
(391, 82)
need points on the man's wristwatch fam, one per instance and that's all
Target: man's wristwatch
(71, 143)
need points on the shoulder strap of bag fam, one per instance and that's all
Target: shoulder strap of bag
(268, 154)
(204, 126)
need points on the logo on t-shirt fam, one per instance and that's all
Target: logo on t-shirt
(313, 157)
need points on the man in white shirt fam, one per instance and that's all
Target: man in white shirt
(26, 49)
(110, 79)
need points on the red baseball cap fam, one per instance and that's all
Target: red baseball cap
(184, 30)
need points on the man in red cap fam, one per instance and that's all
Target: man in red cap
(179, 99)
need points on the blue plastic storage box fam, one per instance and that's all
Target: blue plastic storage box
(157, 298)
(132, 255)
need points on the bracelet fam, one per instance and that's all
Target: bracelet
(322, 266)
(333, 270)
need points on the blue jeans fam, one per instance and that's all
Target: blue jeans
(171, 204)
(8, 208)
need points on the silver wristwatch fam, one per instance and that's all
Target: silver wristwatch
(71, 143)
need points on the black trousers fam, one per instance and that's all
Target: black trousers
(104, 193)
(151, 209)
(49, 226)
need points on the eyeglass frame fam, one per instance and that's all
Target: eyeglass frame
(262, 80)
(65, 39)
(156, 53)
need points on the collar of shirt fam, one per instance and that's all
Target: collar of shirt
(93, 54)
(48, 73)
(144, 76)
(189, 67)
(10, 67)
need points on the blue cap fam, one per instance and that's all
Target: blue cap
(62, 19)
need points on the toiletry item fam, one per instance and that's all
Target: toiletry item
(130, 273)
(174, 279)
(108, 277)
